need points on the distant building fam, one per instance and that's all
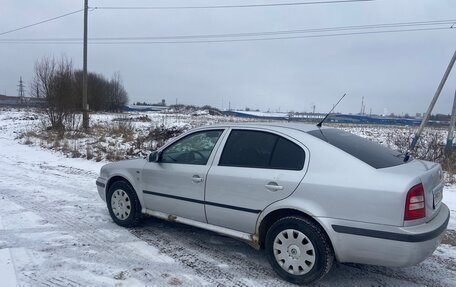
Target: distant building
(17, 102)
(144, 108)
(336, 118)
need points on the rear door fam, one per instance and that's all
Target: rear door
(254, 169)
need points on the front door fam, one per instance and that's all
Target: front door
(175, 184)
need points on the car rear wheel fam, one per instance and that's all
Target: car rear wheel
(123, 204)
(298, 250)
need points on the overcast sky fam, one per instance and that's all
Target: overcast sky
(395, 72)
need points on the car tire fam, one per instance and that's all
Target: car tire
(123, 204)
(298, 250)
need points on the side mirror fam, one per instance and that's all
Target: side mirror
(154, 156)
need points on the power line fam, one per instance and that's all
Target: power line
(235, 40)
(248, 34)
(41, 22)
(225, 6)
(182, 7)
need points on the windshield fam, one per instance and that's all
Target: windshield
(372, 153)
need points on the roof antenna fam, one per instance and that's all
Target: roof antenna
(321, 122)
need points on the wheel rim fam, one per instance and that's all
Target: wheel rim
(294, 252)
(120, 204)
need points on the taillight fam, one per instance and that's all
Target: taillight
(415, 207)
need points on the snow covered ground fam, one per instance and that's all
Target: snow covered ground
(55, 231)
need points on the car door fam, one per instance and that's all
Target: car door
(175, 184)
(254, 169)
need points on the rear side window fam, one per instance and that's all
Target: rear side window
(287, 155)
(372, 153)
(257, 149)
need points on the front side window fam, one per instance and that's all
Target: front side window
(192, 149)
(257, 149)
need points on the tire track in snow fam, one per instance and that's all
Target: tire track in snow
(220, 259)
(230, 262)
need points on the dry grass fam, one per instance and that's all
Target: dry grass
(75, 153)
(89, 152)
(122, 129)
(65, 147)
(56, 144)
(430, 147)
(449, 165)
(159, 135)
(144, 118)
(28, 141)
(118, 139)
(114, 155)
(104, 145)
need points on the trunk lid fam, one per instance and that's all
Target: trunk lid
(430, 175)
(432, 180)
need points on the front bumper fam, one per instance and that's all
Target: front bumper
(101, 187)
(365, 243)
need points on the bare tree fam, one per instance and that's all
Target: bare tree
(118, 95)
(54, 81)
(61, 87)
(97, 93)
(44, 69)
(103, 94)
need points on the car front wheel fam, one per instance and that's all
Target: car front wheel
(123, 204)
(298, 250)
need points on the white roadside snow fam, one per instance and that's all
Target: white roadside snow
(56, 231)
(449, 198)
(7, 272)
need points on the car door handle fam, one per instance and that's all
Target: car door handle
(197, 178)
(273, 186)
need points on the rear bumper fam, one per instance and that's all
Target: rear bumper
(101, 187)
(386, 245)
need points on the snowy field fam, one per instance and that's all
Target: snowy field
(56, 231)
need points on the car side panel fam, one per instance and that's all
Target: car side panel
(242, 191)
(406, 249)
(130, 170)
(170, 187)
(344, 187)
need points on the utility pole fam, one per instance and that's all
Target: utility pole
(362, 105)
(21, 91)
(85, 112)
(432, 104)
(450, 137)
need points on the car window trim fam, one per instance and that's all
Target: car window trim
(278, 135)
(222, 130)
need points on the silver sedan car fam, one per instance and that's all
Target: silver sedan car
(306, 195)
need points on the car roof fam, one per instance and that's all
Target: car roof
(295, 126)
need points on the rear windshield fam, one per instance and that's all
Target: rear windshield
(372, 153)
